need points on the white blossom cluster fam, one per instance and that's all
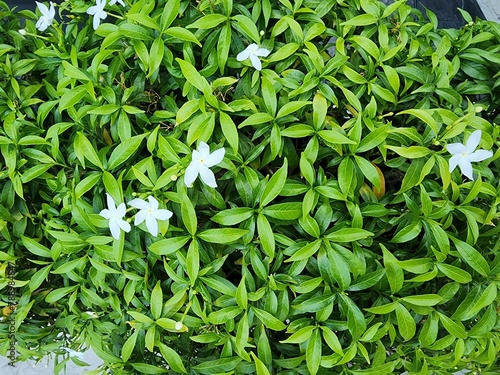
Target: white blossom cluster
(149, 211)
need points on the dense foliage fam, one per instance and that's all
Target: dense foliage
(323, 233)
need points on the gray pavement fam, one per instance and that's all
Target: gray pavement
(46, 366)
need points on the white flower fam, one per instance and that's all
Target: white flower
(150, 213)
(22, 31)
(200, 164)
(179, 326)
(253, 52)
(98, 12)
(115, 216)
(92, 314)
(47, 16)
(112, 2)
(463, 155)
(73, 353)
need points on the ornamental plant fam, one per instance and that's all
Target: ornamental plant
(330, 230)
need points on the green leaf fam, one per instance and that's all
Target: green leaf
(144, 368)
(284, 211)
(155, 56)
(406, 324)
(222, 235)
(208, 21)
(408, 232)
(332, 340)
(193, 76)
(412, 152)
(274, 185)
(229, 130)
(335, 137)
(423, 114)
(269, 320)
(472, 257)
(193, 262)
(306, 251)
(128, 346)
(423, 299)
(34, 247)
(248, 27)
(367, 44)
(222, 365)
(232, 216)
(124, 151)
(454, 328)
(368, 170)
(39, 277)
(143, 20)
(393, 270)
(300, 336)
(366, 281)
(173, 359)
(170, 13)
(156, 301)
(260, 367)
(188, 214)
(266, 236)
(84, 149)
(456, 274)
(356, 322)
(182, 34)
(361, 20)
(57, 294)
(348, 235)
(290, 108)
(313, 352)
(134, 31)
(382, 309)
(224, 314)
(71, 97)
(34, 172)
(241, 295)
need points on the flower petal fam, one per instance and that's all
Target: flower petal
(140, 217)
(42, 8)
(124, 225)
(454, 160)
(264, 52)
(244, 54)
(207, 176)
(52, 11)
(456, 148)
(96, 22)
(153, 203)
(466, 168)
(204, 151)
(215, 157)
(115, 229)
(111, 202)
(121, 210)
(480, 155)
(473, 142)
(256, 62)
(191, 173)
(92, 10)
(162, 214)
(152, 225)
(139, 203)
(106, 214)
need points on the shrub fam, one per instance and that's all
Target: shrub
(320, 229)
